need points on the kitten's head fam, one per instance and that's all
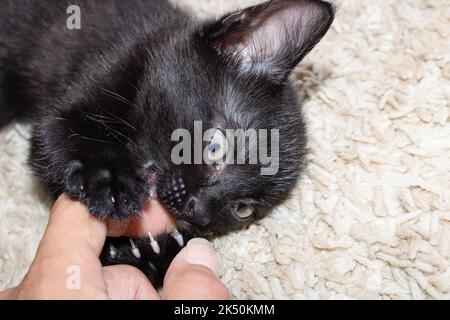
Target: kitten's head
(230, 74)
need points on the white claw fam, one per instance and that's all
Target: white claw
(154, 244)
(178, 236)
(135, 249)
(113, 200)
(112, 251)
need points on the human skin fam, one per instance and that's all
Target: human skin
(75, 238)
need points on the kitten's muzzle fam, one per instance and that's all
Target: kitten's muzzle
(173, 193)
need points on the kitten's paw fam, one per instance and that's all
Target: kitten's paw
(107, 192)
(150, 255)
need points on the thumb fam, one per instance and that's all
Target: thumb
(71, 226)
(69, 249)
(194, 274)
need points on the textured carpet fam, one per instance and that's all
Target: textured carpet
(371, 216)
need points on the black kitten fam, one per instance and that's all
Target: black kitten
(105, 99)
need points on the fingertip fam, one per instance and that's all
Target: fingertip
(199, 251)
(194, 274)
(64, 202)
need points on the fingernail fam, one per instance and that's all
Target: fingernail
(200, 251)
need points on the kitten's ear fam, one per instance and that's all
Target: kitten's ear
(271, 37)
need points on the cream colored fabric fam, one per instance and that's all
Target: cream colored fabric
(371, 216)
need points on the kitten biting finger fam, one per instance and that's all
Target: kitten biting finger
(106, 99)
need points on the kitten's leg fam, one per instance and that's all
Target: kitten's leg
(152, 259)
(79, 153)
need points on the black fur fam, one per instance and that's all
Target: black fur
(104, 101)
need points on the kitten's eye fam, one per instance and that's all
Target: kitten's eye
(218, 147)
(243, 210)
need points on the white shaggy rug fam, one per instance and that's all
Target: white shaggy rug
(371, 217)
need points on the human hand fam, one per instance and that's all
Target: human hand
(70, 249)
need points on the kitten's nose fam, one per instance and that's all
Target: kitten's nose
(195, 214)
